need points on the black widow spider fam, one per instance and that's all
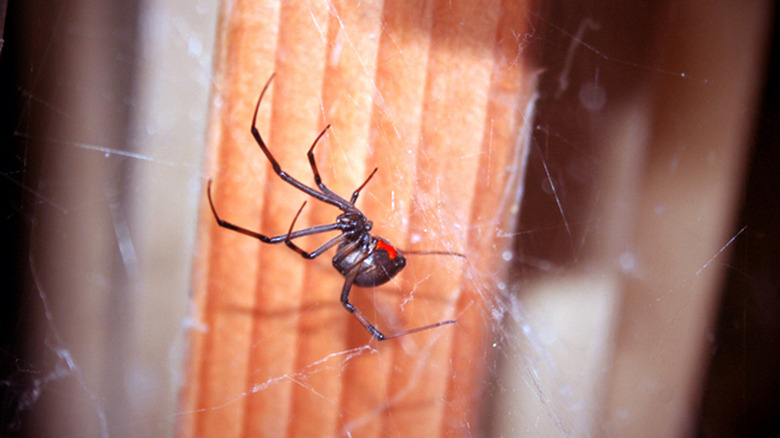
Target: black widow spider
(364, 259)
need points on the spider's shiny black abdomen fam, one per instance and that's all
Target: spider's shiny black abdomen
(381, 264)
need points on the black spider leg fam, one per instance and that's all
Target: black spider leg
(441, 253)
(318, 179)
(327, 196)
(263, 238)
(309, 255)
(350, 278)
(356, 193)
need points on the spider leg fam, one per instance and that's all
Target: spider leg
(263, 238)
(357, 191)
(318, 179)
(419, 329)
(349, 279)
(442, 253)
(313, 164)
(327, 197)
(308, 255)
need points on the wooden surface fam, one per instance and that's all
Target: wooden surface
(434, 94)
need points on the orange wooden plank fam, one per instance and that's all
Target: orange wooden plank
(433, 94)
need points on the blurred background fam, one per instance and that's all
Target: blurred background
(643, 111)
(105, 105)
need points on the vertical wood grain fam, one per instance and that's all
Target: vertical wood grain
(433, 94)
